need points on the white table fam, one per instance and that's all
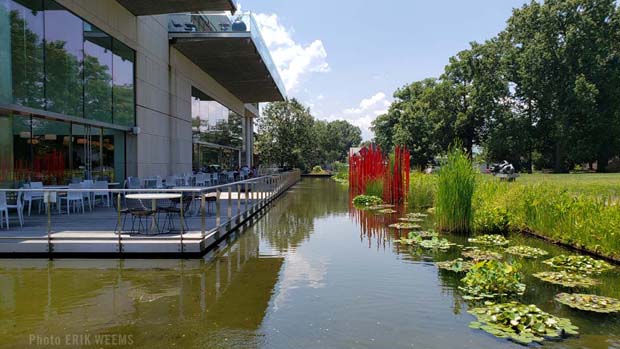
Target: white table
(153, 197)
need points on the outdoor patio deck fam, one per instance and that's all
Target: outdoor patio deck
(97, 232)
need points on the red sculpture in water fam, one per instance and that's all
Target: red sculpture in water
(371, 165)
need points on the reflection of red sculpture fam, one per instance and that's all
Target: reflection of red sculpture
(370, 165)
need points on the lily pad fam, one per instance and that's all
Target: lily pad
(566, 279)
(425, 233)
(521, 323)
(492, 239)
(491, 279)
(366, 201)
(436, 243)
(584, 264)
(589, 302)
(416, 215)
(405, 226)
(386, 211)
(412, 220)
(457, 265)
(526, 251)
(480, 255)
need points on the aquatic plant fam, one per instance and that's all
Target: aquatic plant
(374, 188)
(584, 264)
(405, 226)
(416, 215)
(422, 190)
(456, 182)
(412, 220)
(425, 233)
(386, 211)
(493, 240)
(366, 201)
(480, 255)
(491, 279)
(589, 302)
(526, 251)
(436, 243)
(412, 239)
(566, 279)
(521, 323)
(456, 265)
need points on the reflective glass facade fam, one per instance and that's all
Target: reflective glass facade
(217, 134)
(51, 59)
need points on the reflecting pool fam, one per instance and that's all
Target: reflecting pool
(311, 272)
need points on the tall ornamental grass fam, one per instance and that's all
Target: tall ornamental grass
(374, 188)
(456, 182)
(422, 189)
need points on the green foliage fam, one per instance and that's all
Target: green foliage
(422, 189)
(366, 201)
(583, 264)
(493, 219)
(491, 279)
(340, 172)
(405, 226)
(456, 184)
(374, 188)
(521, 323)
(436, 243)
(589, 302)
(490, 240)
(477, 254)
(456, 265)
(526, 251)
(566, 279)
(318, 170)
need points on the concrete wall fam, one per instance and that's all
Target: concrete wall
(164, 78)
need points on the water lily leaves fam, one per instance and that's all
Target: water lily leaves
(492, 240)
(436, 243)
(405, 226)
(366, 201)
(480, 255)
(425, 233)
(521, 323)
(491, 279)
(526, 251)
(412, 220)
(386, 211)
(584, 264)
(412, 240)
(456, 265)
(589, 302)
(416, 215)
(566, 279)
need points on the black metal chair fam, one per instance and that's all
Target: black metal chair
(174, 210)
(135, 209)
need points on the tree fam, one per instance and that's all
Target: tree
(285, 135)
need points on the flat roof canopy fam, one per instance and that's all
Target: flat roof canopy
(235, 61)
(150, 7)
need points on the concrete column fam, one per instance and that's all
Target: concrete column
(248, 140)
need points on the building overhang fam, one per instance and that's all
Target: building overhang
(252, 110)
(149, 7)
(238, 60)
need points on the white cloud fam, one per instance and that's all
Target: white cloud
(294, 61)
(363, 115)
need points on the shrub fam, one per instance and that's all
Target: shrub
(367, 201)
(318, 170)
(455, 190)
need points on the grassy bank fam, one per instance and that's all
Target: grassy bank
(579, 210)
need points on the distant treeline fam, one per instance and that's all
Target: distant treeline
(544, 92)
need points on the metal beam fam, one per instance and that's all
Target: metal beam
(150, 7)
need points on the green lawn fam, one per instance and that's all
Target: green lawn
(581, 183)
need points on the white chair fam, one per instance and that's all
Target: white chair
(230, 176)
(75, 197)
(159, 183)
(104, 195)
(19, 207)
(31, 196)
(201, 180)
(88, 184)
(215, 178)
(149, 183)
(133, 183)
(4, 210)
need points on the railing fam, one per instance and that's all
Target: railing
(222, 25)
(198, 227)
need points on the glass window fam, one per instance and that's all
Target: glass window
(50, 147)
(123, 84)
(63, 60)
(113, 155)
(22, 71)
(97, 74)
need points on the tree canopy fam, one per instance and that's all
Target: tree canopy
(543, 91)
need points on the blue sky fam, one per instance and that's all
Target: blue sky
(345, 58)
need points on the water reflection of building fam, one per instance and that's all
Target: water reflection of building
(182, 301)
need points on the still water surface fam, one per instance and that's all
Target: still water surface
(311, 273)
